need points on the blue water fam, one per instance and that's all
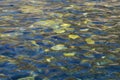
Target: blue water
(26, 52)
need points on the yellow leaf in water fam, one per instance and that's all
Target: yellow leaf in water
(72, 46)
(49, 59)
(73, 36)
(63, 68)
(59, 31)
(85, 14)
(117, 50)
(27, 78)
(30, 9)
(45, 23)
(84, 61)
(47, 50)
(49, 23)
(86, 29)
(89, 41)
(56, 14)
(59, 15)
(107, 5)
(93, 49)
(69, 54)
(89, 3)
(69, 29)
(87, 21)
(5, 35)
(65, 25)
(59, 47)
(34, 43)
(105, 27)
(7, 17)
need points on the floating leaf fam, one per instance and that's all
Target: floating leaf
(89, 3)
(73, 36)
(104, 62)
(84, 61)
(117, 50)
(105, 27)
(65, 25)
(69, 54)
(7, 17)
(89, 41)
(46, 50)
(3, 58)
(27, 78)
(59, 47)
(85, 14)
(30, 9)
(86, 21)
(59, 31)
(5, 35)
(34, 43)
(46, 22)
(49, 59)
(69, 29)
(89, 55)
(85, 29)
(49, 23)
(59, 15)
(93, 49)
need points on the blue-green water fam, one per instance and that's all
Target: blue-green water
(59, 40)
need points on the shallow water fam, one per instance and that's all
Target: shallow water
(59, 40)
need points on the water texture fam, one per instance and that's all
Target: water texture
(59, 40)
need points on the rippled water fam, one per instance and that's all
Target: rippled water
(59, 40)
